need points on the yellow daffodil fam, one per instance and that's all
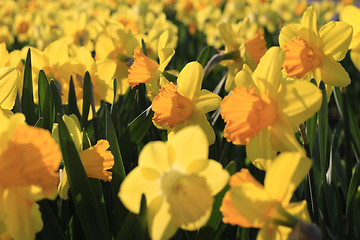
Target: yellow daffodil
(248, 47)
(29, 161)
(8, 89)
(252, 205)
(179, 182)
(315, 54)
(96, 160)
(351, 15)
(145, 70)
(263, 109)
(184, 104)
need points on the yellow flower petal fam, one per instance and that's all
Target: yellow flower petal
(161, 225)
(207, 102)
(308, 23)
(199, 223)
(57, 52)
(299, 209)
(163, 40)
(74, 130)
(298, 100)
(132, 188)
(267, 74)
(216, 177)
(336, 38)
(283, 138)
(351, 15)
(187, 149)
(244, 78)
(8, 87)
(104, 46)
(271, 232)
(165, 55)
(333, 73)
(288, 32)
(228, 36)
(285, 174)
(155, 155)
(355, 57)
(260, 151)
(64, 185)
(190, 79)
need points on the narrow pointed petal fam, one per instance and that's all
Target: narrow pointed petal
(260, 151)
(288, 32)
(268, 72)
(8, 87)
(190, 79)
(155, 155)
(207, 102)
(308, 22)
(216, 177)
(298, 101)
(333, 73)
(228, 36)
(336, 38)
(283, 138)
(285, 174)
(165, 55)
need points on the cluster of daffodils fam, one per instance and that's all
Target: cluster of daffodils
(126, 47)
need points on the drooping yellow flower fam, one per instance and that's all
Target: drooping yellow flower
(179, 106)
(351, 15)
(96, 159)
(250, 204)
(263, 109)
(315, 54)
(179, 182)
(145, 70)
(29, 161)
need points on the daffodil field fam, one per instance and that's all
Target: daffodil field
(179, 119)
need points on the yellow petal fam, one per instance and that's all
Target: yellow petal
(333, 73)
(308, 22)
(155, 155)
(190, 79)
(251, 202)
(207, 102)
(288, 32)
(285, 174)
(271, 232)
(298, 100)
(4, 55)
(188, 145)
(74, 131)
(134, 185)
(283, 138)
(102, 73)
(64, 185)
(8, 87)
(267, 74)
(216, 177)
(228, 36)
(104, 46)
(165, 56)
(57, 52)
(355, 58)
(260, 151)
(163, 40)
(199, 223)
(244, 78)
(351, 15)
(336, 38)
(161, 225)
(299, 209)
(23, 219)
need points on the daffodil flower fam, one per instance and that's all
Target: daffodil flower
(252, 205)
(96, 159)
(145, 70)
(351, 15)
(178, 181)
(184, 104)
(8, 86)
(29, 160)
(263, 109)
(315, 54)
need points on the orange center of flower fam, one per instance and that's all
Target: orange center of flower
(256, 46)
(170, 107)
(23, 27)
(142, 69)
(245, 114)
(129, 25)
(31, 157)
(301, 57)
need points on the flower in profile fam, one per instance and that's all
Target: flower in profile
(263, 109)
(184, 104)
(315, 54)
(96, 159)
(145, 70)
(247, 45)
(351, 15)
(252, 205)
(178, 181)
(29, 161)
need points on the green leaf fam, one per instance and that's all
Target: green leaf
(353, 188)
(27, 98)
(86, 99)
(39, 123)
(51, 228)
(133, 134)
(93, 220)
(205, 55)
(46, 105)
(56, 97)
(143, 45)
(72, 101)
(323, 132)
